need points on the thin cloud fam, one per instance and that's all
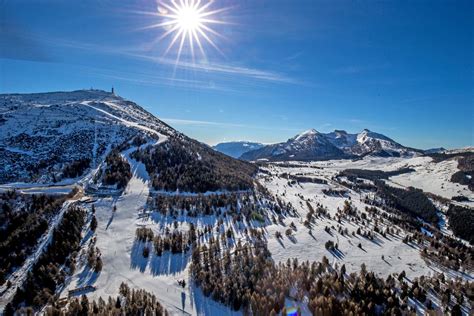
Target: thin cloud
(199, 66)
(225, 69)
(325, 126)
(294, 56)
(357, 69)
(147, 80)
(199, 123)
(184, 122)
(356, 120)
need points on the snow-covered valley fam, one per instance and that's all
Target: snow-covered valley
(309, 244)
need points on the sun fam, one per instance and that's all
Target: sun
(188, 23)
(188, 19)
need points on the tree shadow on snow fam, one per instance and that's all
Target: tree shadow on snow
(280, 241)
(87, 276)
(292, 238)
(137, 261)
(87, 237)
(206, 305)
(395, 237)
(112, 213)
(387, 262)
(169, 263)
(337, 253)
(376, 240)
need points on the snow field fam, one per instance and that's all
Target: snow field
(305, 246)
(122, 256)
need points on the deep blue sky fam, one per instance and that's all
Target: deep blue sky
(402, 68)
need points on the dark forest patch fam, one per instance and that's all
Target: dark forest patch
(373, 174)
(461, 221)
(186, 165)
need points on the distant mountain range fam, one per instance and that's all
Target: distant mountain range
(313, 145)
(434, 150)
(237, 149)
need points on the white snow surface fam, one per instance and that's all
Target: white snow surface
(306, 134)
(123, 261)
(433, 177)
(429, 176)
(398, 256)
(306, 246)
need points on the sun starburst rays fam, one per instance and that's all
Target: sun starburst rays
(188, 23)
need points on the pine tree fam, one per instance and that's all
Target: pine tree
(118, 304)
(93, 223)
(84, 305)
(98, 265)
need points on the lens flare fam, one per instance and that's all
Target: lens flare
(188, 23)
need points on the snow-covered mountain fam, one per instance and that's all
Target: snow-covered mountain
(370, 143)
(313, 145)
(309, 145)
(468, 149)
(43, 134)
(103, 146)
(342, 139)
(236, 149)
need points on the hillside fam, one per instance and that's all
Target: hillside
(44, 136)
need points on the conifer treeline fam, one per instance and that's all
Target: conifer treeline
(24, 219)
(185, 165)
(373, 175)
(76, 168)
(461, 221)
(250, 205)
(435, 245)
(46, 274)
(117, 170)
(412, 201)
(129, 302)
(175, 242)
(247, 278)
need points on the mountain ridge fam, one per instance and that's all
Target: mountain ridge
(313, 145)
